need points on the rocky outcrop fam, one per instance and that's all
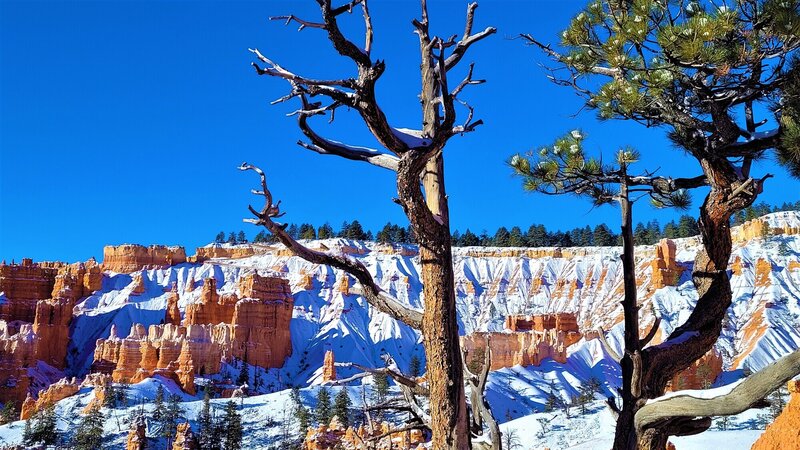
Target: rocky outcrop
(763, 271)
(328, 367)
(756, 228)
(226, 251)
(666, 271)
(185, 438)
(700, 375)
(101, 383)
(137, 436)
(173, 315)
(129, 258)
(24, 285)
(216, 328)
(336, 436)
(78, 280)
(51, 326)
(532, 339)
(784, 432)
(54, 393)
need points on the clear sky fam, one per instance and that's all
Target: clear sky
(124, 122)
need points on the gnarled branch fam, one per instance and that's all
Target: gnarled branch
(371, 291)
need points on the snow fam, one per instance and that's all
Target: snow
(325, 319)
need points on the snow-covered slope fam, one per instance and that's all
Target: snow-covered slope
(763, 322)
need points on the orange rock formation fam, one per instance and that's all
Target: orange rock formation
(533, 339)
(173, 312)
(226, 251)
(216, 328)
(666, 271)
(137, 436)
(184, 438)
(328, 367)
(129, 258)
(24, 284)
(336, 436)
(784, 433)
(700, 375)
(55, 392)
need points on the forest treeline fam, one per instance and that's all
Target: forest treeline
(536, 235)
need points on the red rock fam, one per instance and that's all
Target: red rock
(130, 257)
(54, 393)
(328, 367)
(784, 432)
(137, 436)
(24, 285)
(666, 271)
(763, 271)
(538, 337)
(51, 326)
(700, 375)
(184, 438)
(226, 251)
(173, 315)
(335, 436)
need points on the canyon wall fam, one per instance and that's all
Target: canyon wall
(532, 339)
(335, 436)
(24, 284)
(216, 328)
(203, 254)
(129, 258)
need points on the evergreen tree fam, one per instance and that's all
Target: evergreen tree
(293, 231)
(40, 428)
(220, 239)
(231, 238)
(325, 232)
(455, 238)
(8, 413)
(640, 235)
(241, 238)
(470, 239)
(485, 240)
(536, 236)
(783, 248)
(515, 238)
(341, 407)
(687, 226)
(89, 435)
(381, 384)
(206, 436)
(159, 410)
(260, 237)
(653, 232)
(232, 428)
(414, 366)
(244, 373)
(501, 237)
(307, 231)
(602, 236)
(671, 230)
(344, 230)
(323, 412)
(300, 410)
(171, 417)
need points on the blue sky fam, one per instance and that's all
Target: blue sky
(126, 121)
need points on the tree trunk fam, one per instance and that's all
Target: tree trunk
(625, 434)
(710, 278)
(449, 421)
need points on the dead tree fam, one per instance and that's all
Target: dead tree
(692, 68)
(416, 156)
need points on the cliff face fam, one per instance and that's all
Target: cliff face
(700, 375)
(328, 367)
(55, 392)
(216, 328)
(130, 257)
(24, 284)
(532, 339)
(203, 254)
(784, 433)
(666, 271)
(51, 326)
(336, 436)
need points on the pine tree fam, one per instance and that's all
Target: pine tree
(241, 238)
(381, 385)
(501, 237)
(414, 366)
(687, 227)
(602, 236)
(89, 435)
(300, 410)
(220, 239)
(260, 237)
(206, 436)
(325, 232)
(8, 413)
(172, 415)
(470, 239)
(323, 412)
(536, 236)
(307, 231)
(293, 231)
(515, 238)
(159, 411)
(783, 248)
(341, 407)
(232, 428)
(231, 238)
(244, 373)
(40, 428)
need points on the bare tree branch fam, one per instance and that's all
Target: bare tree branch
(372, 292)
(741, 398)
(601, 335)
(651, 334)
